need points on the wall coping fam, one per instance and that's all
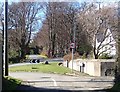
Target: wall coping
(95, 60)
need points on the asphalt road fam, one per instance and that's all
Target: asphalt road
(58, 83)
(62, 82)
(27, 63)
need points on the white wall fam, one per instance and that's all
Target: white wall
(92, 66)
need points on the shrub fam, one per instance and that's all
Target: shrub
(10, 84)
(14, 60)
(84, 56)
(84, 49)
(69, 56)
(105, 56)
(13, 54)
(44, 53)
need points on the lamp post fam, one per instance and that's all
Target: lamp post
(73, 44)
(5, 46)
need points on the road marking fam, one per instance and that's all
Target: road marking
(55, 83)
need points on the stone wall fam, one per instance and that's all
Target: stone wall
(94, 67)
(107, 68)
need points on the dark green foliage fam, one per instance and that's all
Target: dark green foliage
(83, 44)
(33, 50)
(13, 53)
(10, 84)
(105, 56)
(13, 56)
(84, 49)
(14, 60)
(115, 88)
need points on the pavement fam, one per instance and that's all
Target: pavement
(34, 81)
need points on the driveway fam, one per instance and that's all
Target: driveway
(62, 82)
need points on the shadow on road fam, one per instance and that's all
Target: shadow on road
(26, 88)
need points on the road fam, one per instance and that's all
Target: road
(19, 64)
(63, 82)
(43, 81)
(28, 63)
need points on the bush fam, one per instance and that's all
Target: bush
(59, 55)
(69, 56)
(14, 60)
(105, 56)
(115, 88)
(13, 54)
(44, 53)
(10, 84)
(84, 56)
(84, 49)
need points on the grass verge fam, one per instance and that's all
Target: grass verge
(53, 67)
(45, 68)
(10, 84)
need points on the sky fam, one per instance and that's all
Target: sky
(62, 0)
(80, 1)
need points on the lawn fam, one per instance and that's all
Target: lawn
(45, 68)
(52, 67)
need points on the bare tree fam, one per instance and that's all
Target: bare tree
(23, 19)
(1, 20)
(60, 22)
(96, 22)
(42, 37)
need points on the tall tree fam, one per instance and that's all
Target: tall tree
(60, 22)
(23, 19)
(1, 20)
(95, 22)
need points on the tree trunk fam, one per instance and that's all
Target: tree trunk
(95, 54)
(53, 45)
(23, 52)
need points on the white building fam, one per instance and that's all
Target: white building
(106, 43)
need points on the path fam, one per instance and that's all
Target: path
(63, 82)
